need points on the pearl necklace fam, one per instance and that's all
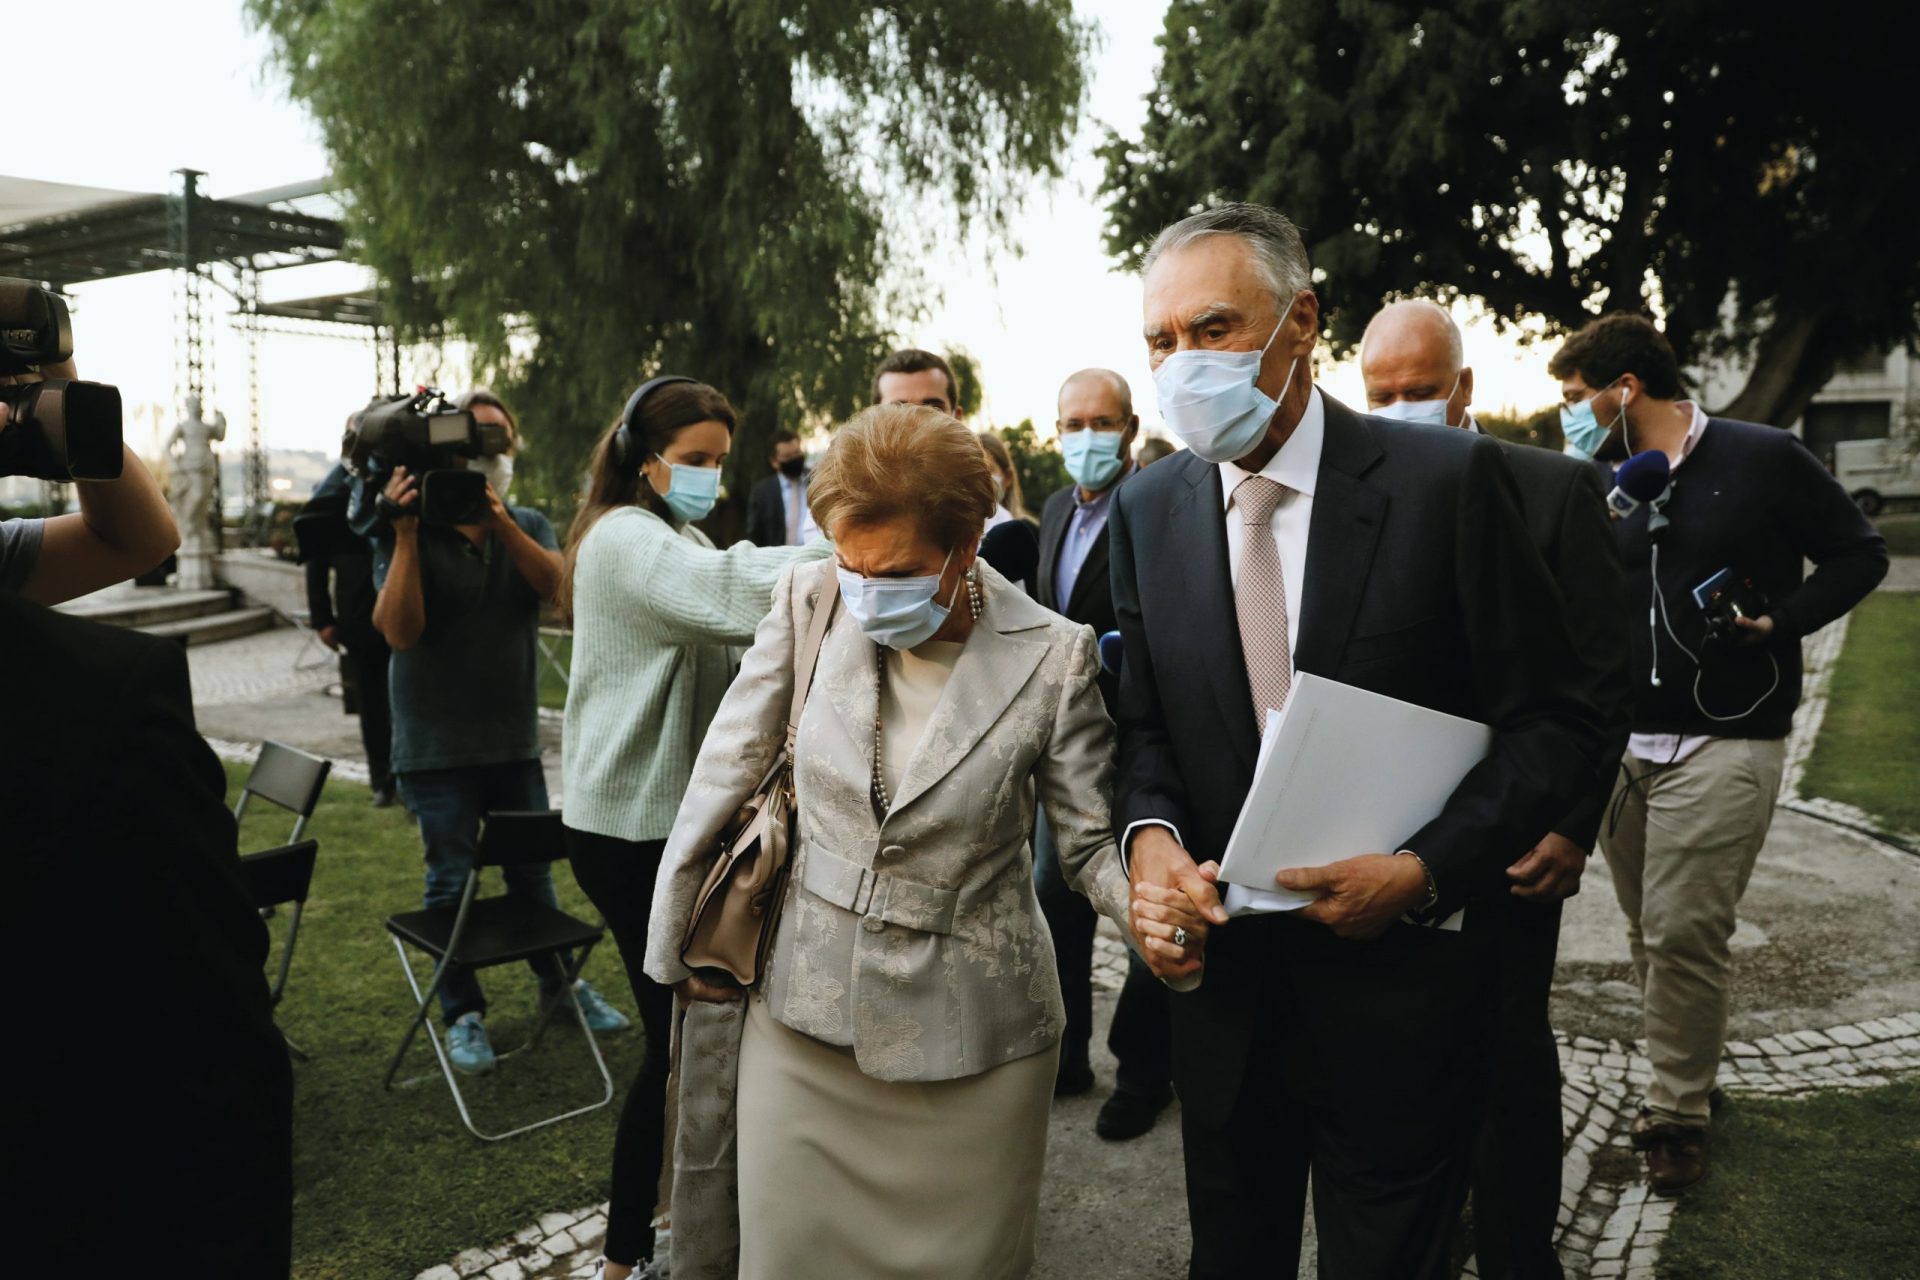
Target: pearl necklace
(882, 802)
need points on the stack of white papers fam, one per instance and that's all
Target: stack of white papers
(1342, 772)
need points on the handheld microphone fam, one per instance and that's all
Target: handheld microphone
(1013, 550)
(1642, 478)
(1111, 651)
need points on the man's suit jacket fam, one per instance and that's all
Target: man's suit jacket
(124, 900)
(1092, 601)
(767, 514)
(1421, 584)
(1563, 501)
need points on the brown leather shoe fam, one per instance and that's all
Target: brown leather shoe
(1676, 1155)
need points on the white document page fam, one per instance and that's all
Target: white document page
(1341, 772)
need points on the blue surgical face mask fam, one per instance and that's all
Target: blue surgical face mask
(692, 492)
(1093, 457)
(1431, 413)
(899, 613)
(1210, 399)
(1583, 431)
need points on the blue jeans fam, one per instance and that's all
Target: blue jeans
(449, 804)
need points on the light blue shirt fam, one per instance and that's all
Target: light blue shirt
(1083, 530)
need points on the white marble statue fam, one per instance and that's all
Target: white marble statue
(193, 474)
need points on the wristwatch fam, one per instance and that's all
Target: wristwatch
(1422, 912)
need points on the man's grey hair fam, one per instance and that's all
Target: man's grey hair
(1421, 311)
(1277, 248)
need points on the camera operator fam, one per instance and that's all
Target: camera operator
(123, 528)
(1716, 681)
(122, 869)
(460, 607)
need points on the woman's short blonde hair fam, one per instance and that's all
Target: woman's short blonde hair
(896, 460)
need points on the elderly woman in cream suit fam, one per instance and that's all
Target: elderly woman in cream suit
(896, 1063)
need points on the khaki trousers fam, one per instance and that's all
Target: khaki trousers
(1681, 841)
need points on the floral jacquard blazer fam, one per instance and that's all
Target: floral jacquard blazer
(913, 937)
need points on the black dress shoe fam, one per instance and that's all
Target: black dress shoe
(1073, 1078)
(383, 798)
(1129, 1113)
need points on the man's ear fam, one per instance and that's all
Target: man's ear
(1466, 387)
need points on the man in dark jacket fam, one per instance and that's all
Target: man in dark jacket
(340, 598)
(1097, 427)
(1719, 564)
(1414, 367)
(169, 1123)
(777, 508)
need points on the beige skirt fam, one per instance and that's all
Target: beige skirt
(849, 1177)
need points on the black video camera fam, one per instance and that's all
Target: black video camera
(1725, 599)
(431, 438)
(59, 428)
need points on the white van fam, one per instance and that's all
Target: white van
(1875, 472)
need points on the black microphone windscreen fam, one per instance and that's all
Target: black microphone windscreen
(1643, 477)
(1012, 548)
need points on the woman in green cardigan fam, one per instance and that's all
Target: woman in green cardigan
(658, 614)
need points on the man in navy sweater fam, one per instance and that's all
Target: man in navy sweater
(1695, 793)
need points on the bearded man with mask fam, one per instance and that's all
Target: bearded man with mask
(460, 607)
(1694, 796)
(1413, 362)
(1297, 535)
(777, 510)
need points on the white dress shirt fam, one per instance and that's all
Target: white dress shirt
(1296, 466)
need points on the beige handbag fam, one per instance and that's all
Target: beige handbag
(738, 907)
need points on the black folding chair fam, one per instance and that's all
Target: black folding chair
(273, 877)
(482, 933)
(288, 777)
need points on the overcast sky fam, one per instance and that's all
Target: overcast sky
(184, 84)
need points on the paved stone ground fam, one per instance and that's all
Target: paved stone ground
(1825, 994)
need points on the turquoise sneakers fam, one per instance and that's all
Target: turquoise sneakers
(601, 1016)
(468, 1047)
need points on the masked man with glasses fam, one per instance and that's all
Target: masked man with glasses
(1097, 427)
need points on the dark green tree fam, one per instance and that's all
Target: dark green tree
(1750, 173)
(1037, 461)
(594, 191)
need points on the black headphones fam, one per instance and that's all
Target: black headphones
(628, 452)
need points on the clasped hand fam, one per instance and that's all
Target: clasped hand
(1359, 898)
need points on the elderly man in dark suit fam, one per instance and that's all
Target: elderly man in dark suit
(1295, 535)
(1097, 427)
(1413, 364)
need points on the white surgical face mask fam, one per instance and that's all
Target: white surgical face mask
(498, 470)
(899, 613)
(1432, 413)
(1212, 399)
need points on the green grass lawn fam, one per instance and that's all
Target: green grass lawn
(387, 1184)
(1868, 753)
(553, 690)
(1902, 534)
(1824, 1188)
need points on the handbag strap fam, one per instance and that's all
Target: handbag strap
(808, 658)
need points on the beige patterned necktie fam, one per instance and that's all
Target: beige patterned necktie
(1260, 599)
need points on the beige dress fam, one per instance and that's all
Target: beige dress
(843, 1175)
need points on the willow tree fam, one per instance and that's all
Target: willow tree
(594, 191)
